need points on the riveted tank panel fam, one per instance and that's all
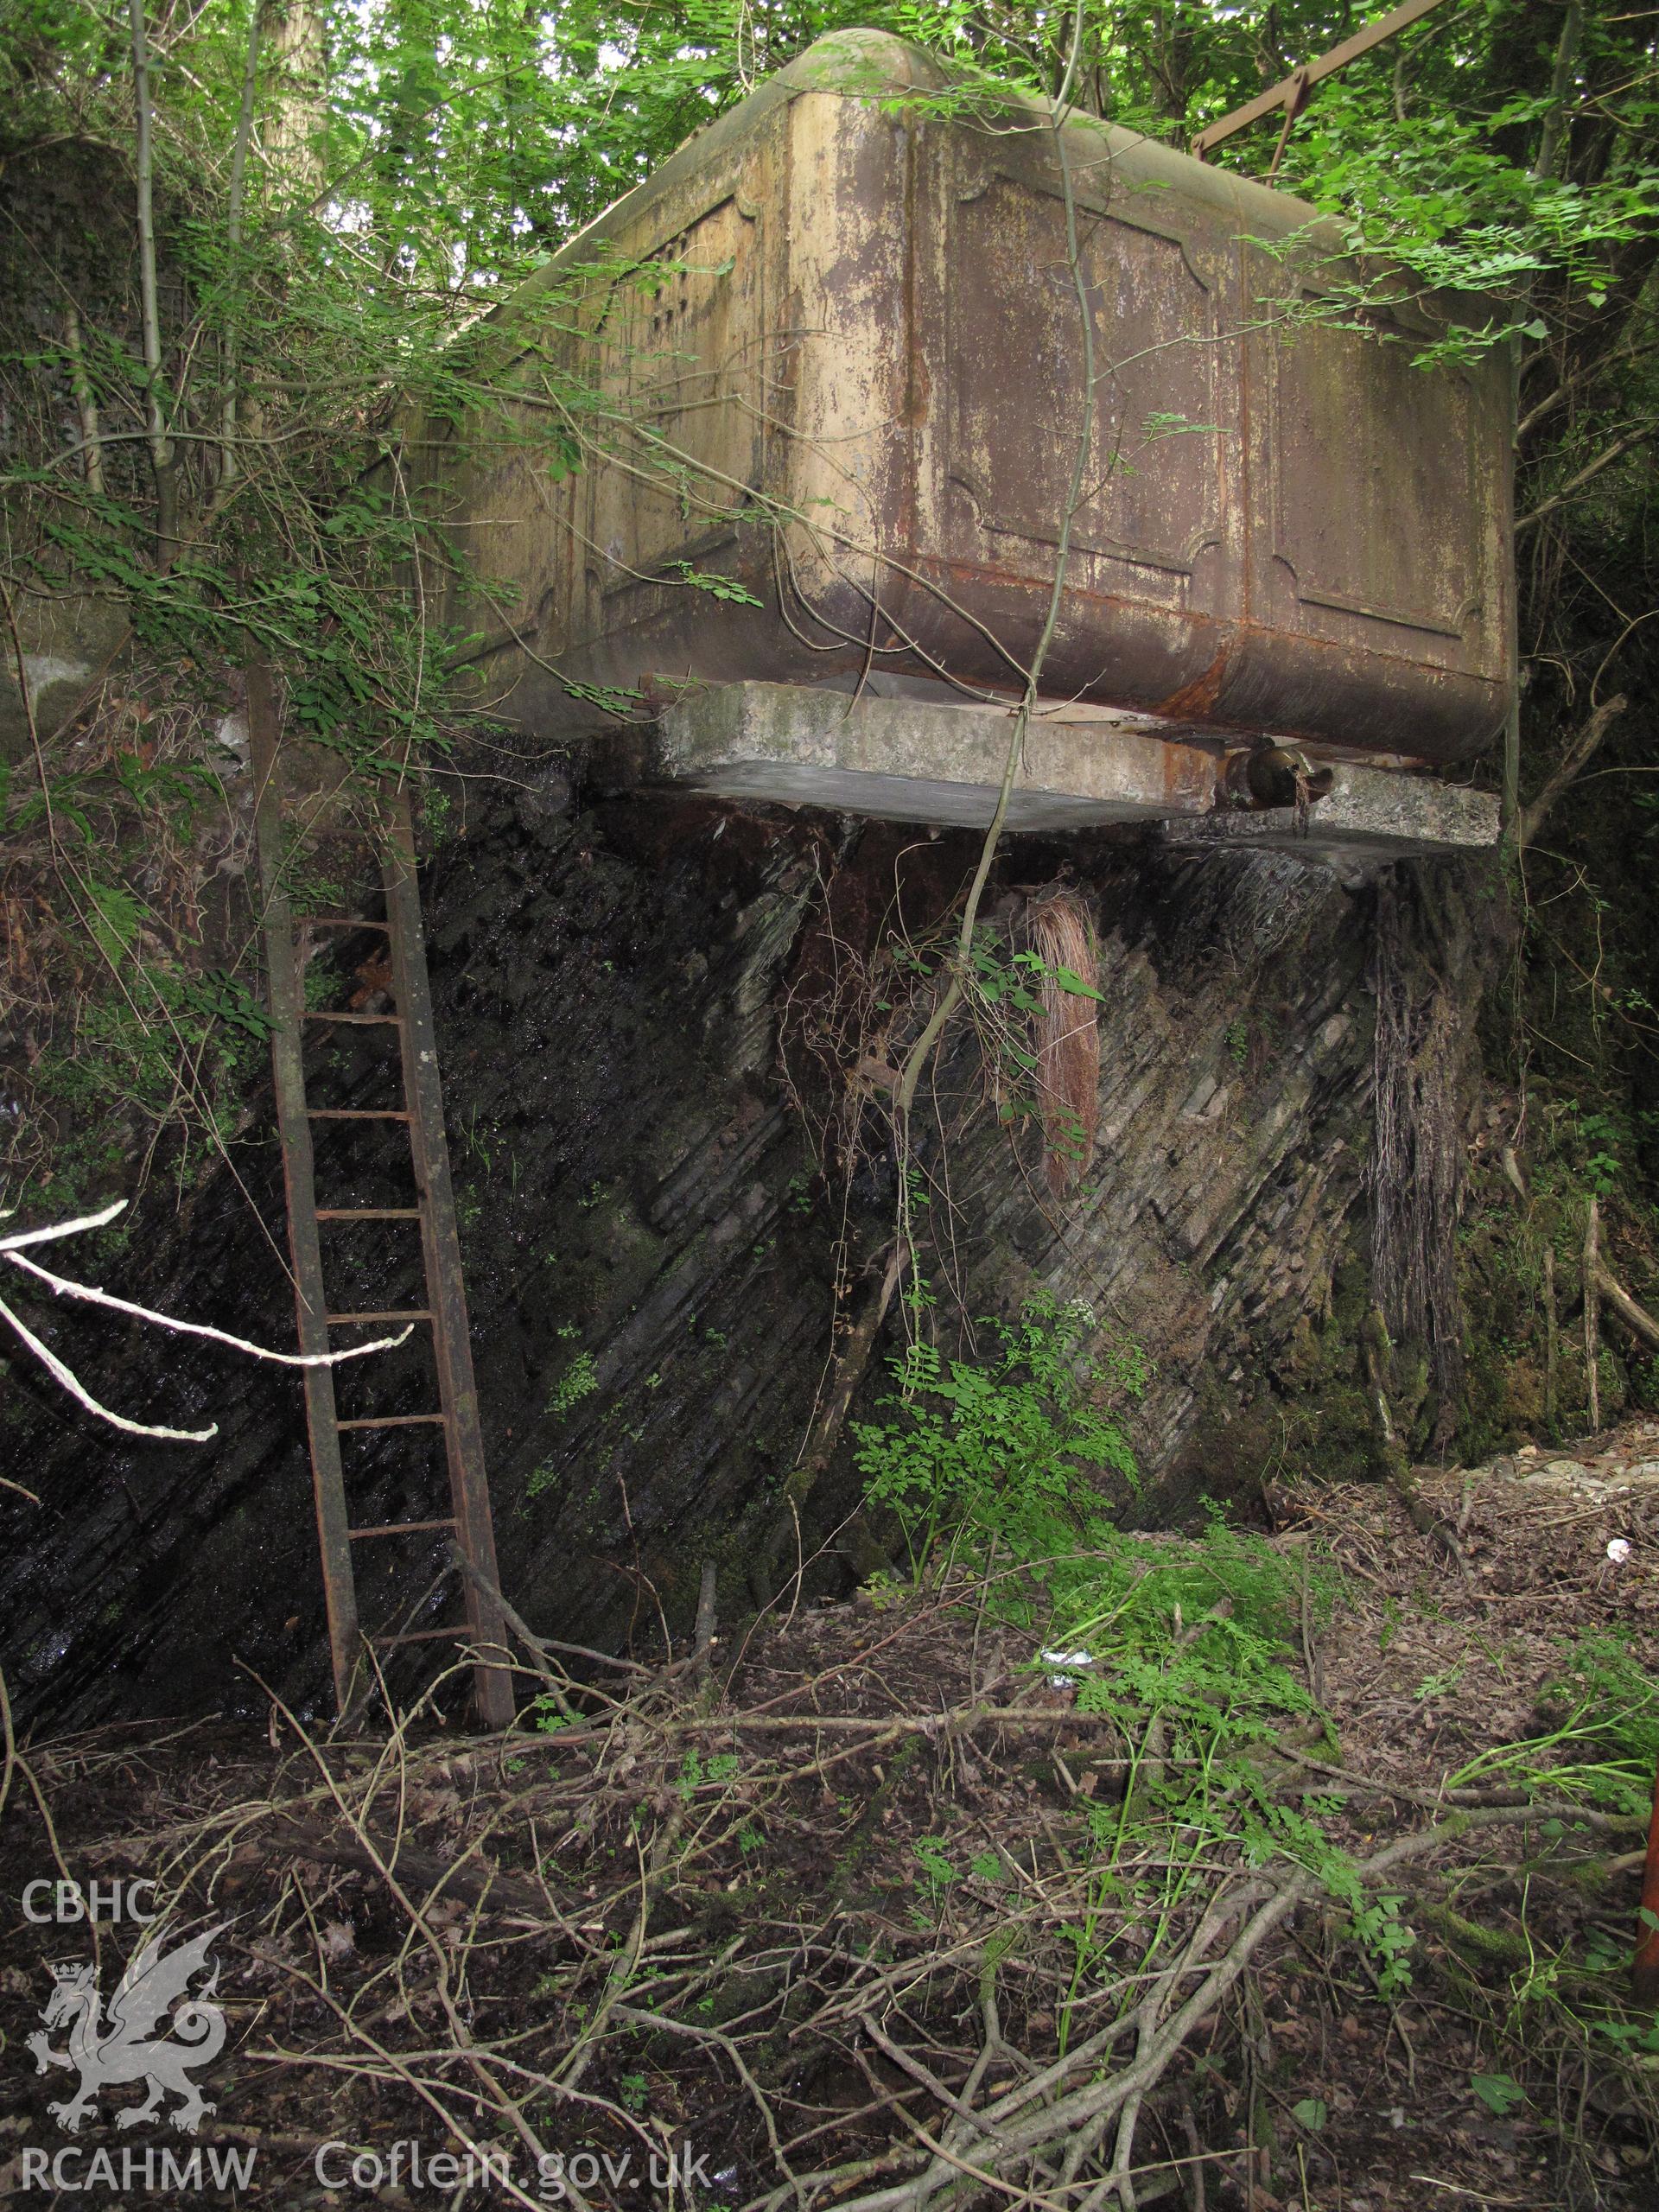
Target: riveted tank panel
(808, 406)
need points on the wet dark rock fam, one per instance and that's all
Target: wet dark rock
(651, 1256)
(546, 796)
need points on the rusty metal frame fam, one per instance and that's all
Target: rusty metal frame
(440, 1248)
(1291, 95)
(484, 1626)
(346, 1650)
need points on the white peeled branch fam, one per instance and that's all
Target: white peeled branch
(10, 1248)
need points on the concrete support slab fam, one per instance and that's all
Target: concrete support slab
(922, 760)
(1368, 816)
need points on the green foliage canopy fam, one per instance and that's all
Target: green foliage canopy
(329, 219)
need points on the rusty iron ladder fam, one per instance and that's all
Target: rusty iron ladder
(445, 1309)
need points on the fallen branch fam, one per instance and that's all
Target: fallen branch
(625, 1907)
(852, 1364)
(1591, 469)
(1580, 750)
(1040, 2116)
(540, 1646)
(515, 1621)
(1635, 1317)
(484, 1886)
(959, 1721)
(11, 1249)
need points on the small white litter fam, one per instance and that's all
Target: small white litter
(1618, 1550)
(1065, 1659)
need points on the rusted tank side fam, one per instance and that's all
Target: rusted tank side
(644, 376)
(1287, 528)
(841, 349)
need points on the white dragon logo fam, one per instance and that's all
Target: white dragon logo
(127, 2048)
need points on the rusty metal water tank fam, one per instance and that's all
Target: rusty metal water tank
(831, 355)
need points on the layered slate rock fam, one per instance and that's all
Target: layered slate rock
(653, 1257)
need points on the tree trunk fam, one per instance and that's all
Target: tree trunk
(298, 67)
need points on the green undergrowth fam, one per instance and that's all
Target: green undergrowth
(152, 1049)
(1601, 1745)
(1193, 1649)
(1025, 1453)
(1508, 1250)
(1020, 1467)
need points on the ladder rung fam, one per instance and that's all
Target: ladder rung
(289, 938)
(403, 1527)
(368, 1213)
(357, 1113)
(409, 1313)
(395, 1421)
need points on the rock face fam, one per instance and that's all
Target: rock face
(653, 1257)
(1236, 1072)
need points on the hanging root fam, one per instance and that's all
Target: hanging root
(1066, 1035)
(1422, 1055)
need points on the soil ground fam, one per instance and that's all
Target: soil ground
(836, 1923)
